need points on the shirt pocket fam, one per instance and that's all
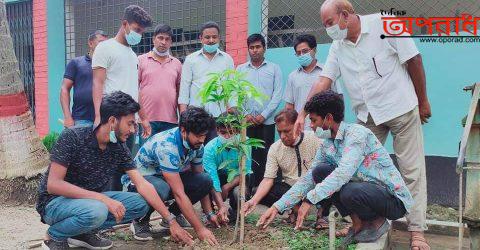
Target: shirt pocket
(383, 63)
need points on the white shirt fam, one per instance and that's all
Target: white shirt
(195, 72)
(374, 72)
(121, 65)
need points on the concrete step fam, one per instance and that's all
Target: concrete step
(400, 240)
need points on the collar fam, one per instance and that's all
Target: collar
(249, 64)
(88, 58)
(150, 55)
(219, 52)
(341, 131)
(364, 29)
(179, 141)
(317, 65)
(92, 137)
(300, 141)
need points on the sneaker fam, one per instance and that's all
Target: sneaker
(90, 241)
(180, 220)
(54, 245)
(141, 230)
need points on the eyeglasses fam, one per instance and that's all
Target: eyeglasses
(303, 52)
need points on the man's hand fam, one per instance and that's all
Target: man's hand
(299, 124)
(267, 217)
(223, 214)
(425, 111)
(248, 207)
(302, 213)
(259, 119)
(147, 129)
(96, 121)
(225, 190)
(116, 208)
(250, 119)
(179, 234)
(214, 220)
(68, 122)
(206, 235)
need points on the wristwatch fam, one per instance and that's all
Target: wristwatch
(170, 218)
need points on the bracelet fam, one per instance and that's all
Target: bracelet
(209, 215)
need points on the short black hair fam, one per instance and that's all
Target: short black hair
(286, 115)
(163, 28)
(196, 120)
(94, 34)
(208, 25)
(306, 38)
(326, 102)
(221, 120)
(255, 38)
(117, 104)
(137, 14)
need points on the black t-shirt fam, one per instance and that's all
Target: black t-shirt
(87, 165)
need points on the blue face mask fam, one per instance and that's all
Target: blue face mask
(210, 48)
(323, 134)
(113, 137)
(133, 38)
(305, 59)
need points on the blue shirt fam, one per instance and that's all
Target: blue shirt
(195, 73)
(359, 157)
(79, 70)
(212, 161)
(164, 152)
(267, 79)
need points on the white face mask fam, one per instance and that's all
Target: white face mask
(161, 53)
(335, 32)
(323, 134)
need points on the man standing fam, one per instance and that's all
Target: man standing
(71, 198)
(301, 80)
(172, 162)
(198, 66)
(115, 65)
(288, 158)
(78, 75)
(385, 80)
(267, 78)
(159, 80)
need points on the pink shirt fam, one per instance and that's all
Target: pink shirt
(159, 84)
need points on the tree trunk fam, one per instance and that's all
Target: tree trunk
(22, 154)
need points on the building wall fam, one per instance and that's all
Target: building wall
(236, 30)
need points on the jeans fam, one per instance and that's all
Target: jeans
(157, 127)
(259, 155)
(367, 200)
(83, 123)
(196, 186)
(70, 217)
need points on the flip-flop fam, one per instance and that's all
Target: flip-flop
(370, 235)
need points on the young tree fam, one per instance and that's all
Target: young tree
(229, 89)
(22, 154)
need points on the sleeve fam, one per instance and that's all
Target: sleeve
(210, 166)
(331, 69)
(352, 157)
(101, 57)
(185, 82)
(71, 70)
(405, 48)
(140, 71)
(296, 193)
(230, 63)
(288, 97)
(64, 149)
(277, 93)
(271, 167)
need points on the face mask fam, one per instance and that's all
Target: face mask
(323, 134)
(161, 54)
(210, 48)
(336, 33)
(133, 38)
(113, 137)
(305, 59)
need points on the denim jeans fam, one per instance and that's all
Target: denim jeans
(196, 186)
(157, 127)
(70, 217)
(83, 123)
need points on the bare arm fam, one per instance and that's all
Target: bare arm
(65, 102)
(417, 74)
(99, 76)
(265, 185)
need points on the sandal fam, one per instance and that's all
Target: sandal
(344, 231)
(321, 223)
(418, 242)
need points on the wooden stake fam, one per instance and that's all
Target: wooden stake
(242, 190)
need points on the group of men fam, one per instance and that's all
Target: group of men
(94, 182)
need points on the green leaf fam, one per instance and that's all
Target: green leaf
(225, 164)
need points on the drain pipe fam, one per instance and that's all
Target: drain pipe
(332, 218)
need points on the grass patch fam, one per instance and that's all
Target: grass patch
(308, 239)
